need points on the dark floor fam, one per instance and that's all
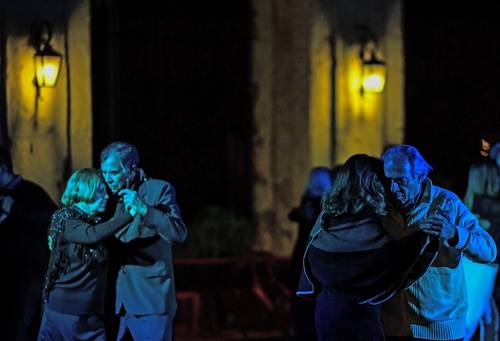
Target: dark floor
(238, 298)
(235, 335)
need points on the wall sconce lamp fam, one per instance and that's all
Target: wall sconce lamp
(374, 70)
(47, 61)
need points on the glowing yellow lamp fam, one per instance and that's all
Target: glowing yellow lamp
(374, 75)
(47, 67)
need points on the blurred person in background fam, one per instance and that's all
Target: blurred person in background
(318, 183)
(483, 199)
(25, 211)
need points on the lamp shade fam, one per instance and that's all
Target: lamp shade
(47, 67)
(374, 75)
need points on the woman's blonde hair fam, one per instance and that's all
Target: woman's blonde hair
(82, 186)
(358, 185)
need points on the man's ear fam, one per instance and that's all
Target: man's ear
(133, 170)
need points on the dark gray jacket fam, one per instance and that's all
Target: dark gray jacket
(146, 284)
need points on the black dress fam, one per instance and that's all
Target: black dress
(341, 318)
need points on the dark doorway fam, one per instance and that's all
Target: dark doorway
(173, 79)
(452, 87)
(3, 105)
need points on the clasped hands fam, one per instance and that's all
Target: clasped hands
(133, 203)
(439, 225)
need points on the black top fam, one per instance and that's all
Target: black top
(75, 282)
(362, 275)
(355, 258)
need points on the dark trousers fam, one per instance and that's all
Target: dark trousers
(29, 319)
(338, 319)
(409, 338)
(146, 327)
(303, 316)
(58, 326)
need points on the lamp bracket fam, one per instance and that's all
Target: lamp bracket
(41, 35)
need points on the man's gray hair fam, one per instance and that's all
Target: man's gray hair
(125, 152)
(417, 162)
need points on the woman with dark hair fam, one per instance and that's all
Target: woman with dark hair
(75, 283)
(352, 261)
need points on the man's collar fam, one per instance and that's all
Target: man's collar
(139, 178)
(426, 196)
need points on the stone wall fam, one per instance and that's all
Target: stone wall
(308, 107)
(49, 136)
